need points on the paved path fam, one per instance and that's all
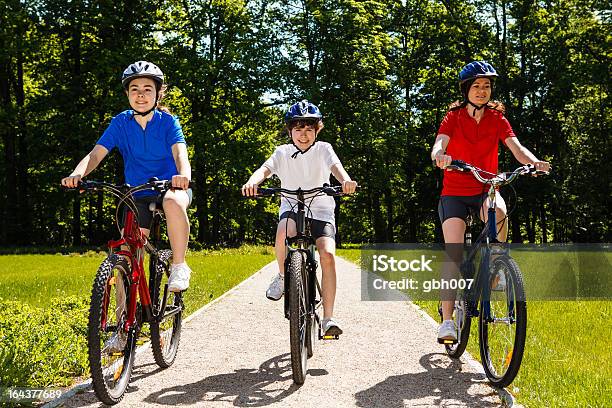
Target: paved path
(236, 353)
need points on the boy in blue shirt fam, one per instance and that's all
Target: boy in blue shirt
(152, 145)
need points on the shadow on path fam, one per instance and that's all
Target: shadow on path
(270, 383)
(444, 381)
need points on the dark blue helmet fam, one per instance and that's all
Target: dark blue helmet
(302, 110)
(477, 69)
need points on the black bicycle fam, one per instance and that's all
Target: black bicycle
(497, 294)
(121, 300)
(302, 287)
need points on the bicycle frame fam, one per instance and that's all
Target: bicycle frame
(136, 242)
(487, 237)
(305, 244)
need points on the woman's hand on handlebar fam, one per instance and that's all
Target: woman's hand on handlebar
(71, 181)
(443, 160)
(541, 166)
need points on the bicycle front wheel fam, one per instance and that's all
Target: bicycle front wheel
(111, 349)
(166, 325)
(503, 322)
(298, 316)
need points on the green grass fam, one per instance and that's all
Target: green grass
(44, 301)
(37, 279)
(567, 361)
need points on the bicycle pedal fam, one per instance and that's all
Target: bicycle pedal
(330, 337)
(447, 341)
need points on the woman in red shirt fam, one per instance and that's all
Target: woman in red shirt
(471, 131)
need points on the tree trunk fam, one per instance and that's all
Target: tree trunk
(543, 223)
(390, 223)
(23, 201)
(9, 139)
(515, 223)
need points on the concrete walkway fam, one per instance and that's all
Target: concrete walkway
(236, 353)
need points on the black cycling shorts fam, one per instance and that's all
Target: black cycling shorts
(145, 215)
(460, 206)
(318, 228)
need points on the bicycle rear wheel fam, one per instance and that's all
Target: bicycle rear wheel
(503, 322)
(298, 316)
(165, 332)
(111, 349)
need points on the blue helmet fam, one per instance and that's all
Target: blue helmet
(477, 69)
(302, 110)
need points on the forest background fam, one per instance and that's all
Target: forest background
(382, 72)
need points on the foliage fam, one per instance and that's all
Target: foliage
(44, 306)
(383, 74)
(43, 347)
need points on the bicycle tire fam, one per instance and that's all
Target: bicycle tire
(110, 381)
(501, 362)
(298, 312)
(165, 334)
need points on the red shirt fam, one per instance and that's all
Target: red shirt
(474, 143)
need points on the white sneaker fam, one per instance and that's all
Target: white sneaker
(179, 277)
(330, 327)
(277, 288)
(116, 344)
(447, 331)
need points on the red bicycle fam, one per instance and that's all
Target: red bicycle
(121, 299)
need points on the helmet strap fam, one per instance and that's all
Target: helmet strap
(476, 107)
(136, 113)
(298, 151)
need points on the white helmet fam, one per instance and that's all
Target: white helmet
(142, 69)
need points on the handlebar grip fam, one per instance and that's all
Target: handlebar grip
(533, 171)
(168, 185)
(458, 165)
(265, 192)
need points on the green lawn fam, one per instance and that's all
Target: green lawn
(44, 301)
(567, 361)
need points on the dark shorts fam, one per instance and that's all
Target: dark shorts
(318, 228)
(145, 215)
(460, 206)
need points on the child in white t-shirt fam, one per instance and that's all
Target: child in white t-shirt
(305, 164)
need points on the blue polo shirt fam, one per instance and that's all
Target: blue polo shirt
(146, 152)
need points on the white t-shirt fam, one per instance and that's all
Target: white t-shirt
(309, 170)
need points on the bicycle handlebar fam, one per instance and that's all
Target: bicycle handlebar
(327, 189)
(160, 186)
(499, 179)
